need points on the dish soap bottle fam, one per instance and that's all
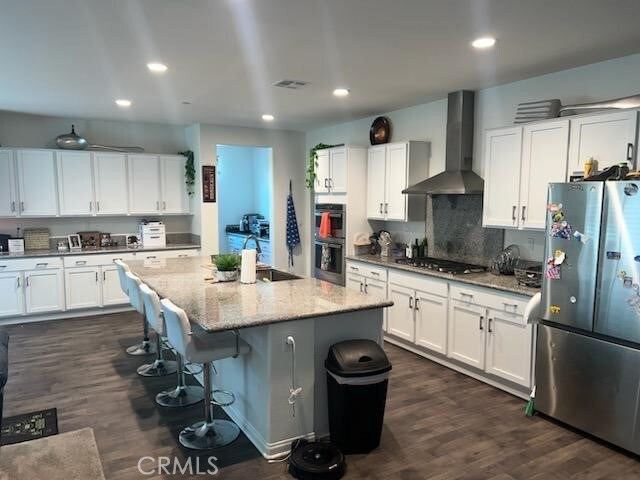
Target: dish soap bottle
(415, 250)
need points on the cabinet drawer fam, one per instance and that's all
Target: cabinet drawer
(370, 271)
(95, 259)
(423, 283)
(500, 301)
(30, 264)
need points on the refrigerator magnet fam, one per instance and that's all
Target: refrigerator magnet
(613, 255)
(581, 237)
(554, 207)
(559, 257)
(553, 270)
(554, 309)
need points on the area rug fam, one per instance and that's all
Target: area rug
(29, 426)
(68, 456)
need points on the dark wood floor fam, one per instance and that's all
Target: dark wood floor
(439, 424)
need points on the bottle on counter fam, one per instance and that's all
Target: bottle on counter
(415, 250)
(423, 247)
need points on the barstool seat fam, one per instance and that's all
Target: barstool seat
(145, 347)
(204, 348)
(153, 314)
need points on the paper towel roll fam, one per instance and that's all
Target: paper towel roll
(248, 269)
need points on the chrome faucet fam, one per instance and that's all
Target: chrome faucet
(255, 240)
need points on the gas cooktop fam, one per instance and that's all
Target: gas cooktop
(441, 265)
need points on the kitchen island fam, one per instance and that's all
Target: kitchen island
(315, 313)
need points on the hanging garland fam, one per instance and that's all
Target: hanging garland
(313, 164)
(189, 171)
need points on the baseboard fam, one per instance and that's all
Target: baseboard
(66, 314)
(518, 391)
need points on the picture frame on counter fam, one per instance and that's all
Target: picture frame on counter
(75, 244)
(15, 245)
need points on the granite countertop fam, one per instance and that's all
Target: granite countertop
(247, 234)
(87, 251)
(224, 306)
(506, 283)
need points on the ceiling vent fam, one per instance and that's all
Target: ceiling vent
(292, 84)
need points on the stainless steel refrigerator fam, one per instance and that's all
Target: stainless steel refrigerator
(588, 345)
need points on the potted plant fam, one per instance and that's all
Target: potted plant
(227, 265)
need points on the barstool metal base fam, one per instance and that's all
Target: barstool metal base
(143, 348)
(203, 435)
(181, 396)
(159, 368)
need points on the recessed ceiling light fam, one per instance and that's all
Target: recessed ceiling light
(484, 42)
(268, 117)
(123, 102)
(341, 92)
(157, 67)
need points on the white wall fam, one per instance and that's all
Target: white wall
(288, 164)
(495, 107)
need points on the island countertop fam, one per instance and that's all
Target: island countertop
(217, 307)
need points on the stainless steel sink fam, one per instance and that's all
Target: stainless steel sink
(273, 275)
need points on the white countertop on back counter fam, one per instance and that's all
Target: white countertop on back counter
(89, 251)
(506, 283)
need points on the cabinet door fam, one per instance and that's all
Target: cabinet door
(44, 290)
(377, 289)
(144, 184)
(509, 346)
(338, 170)
(8, 205)
(354, 282)
(431, 322)
(175, 198)
(376, 159)
(610, 138)
(400, 316)
(502, 177)
(75, 183)
(110, 177)
(544, 160)
(396, 173)
(322, 171)
(82, 287)
(467, 324)
(112, 294)
(37, 183)
(12, 298)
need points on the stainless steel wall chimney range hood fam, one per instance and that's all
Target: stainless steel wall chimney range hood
(458, 178)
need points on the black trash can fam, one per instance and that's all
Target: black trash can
(357, 379)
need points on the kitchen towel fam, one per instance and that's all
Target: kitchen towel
(325, 225)
(293, 236)
(325, 259)
(248, 268)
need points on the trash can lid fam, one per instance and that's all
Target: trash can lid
(357, 358)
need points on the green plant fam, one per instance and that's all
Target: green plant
(189, 171)
(313, 164)
(226, 262)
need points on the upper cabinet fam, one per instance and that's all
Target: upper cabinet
(609, 138)
(331, 170)
(144, 184)
(36, 183)
(110, 179)
(75, 183)
(175, 198)
(390, 169)
(8, 198)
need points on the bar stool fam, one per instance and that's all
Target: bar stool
(145, 347)
(153, 314)
(204, 349)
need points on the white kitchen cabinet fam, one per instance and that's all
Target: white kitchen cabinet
(144, 184)
(75, 183)
(400, 316)
(12, 297)
(8, 197)
(509, 347)
(338, 170)
(44, 290)
(112, 294)
(36, 183)
(502, 152)
(322, 171)
(376, 174)
(466, 333)
(544, 160)
(431, 321)
(83, 287)
(110, 179)
(390, 169)
(355, 282)
(610, 138)
(175, 198)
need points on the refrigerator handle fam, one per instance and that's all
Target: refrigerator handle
(523, 210)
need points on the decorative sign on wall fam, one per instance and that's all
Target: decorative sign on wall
(209, 183)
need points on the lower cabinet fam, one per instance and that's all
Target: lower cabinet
(11, 299)
(466, 333)
(83, 287)
(369, 286)
(112, 294)
(400, 316)
(44, 290)
(431, 321)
